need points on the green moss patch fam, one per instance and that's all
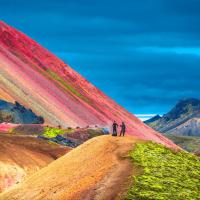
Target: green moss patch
(51, 132)
(166, 175)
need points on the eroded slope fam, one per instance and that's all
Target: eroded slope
(21, 156)
(98, 169)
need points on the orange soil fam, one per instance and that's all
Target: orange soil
(99, 169)
(5, 96)
(21, 156)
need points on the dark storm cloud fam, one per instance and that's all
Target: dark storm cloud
(145, 54)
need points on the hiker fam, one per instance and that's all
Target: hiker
(123, 129)
(115, 125)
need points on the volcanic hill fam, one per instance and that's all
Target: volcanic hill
(34, 77)
(98, 169)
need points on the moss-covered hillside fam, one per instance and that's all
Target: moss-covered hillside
(165, 175)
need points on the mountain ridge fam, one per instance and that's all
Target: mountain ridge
(179, 119)
(37, 79)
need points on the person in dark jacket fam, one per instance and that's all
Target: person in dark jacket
(123, 129)
(115, 126)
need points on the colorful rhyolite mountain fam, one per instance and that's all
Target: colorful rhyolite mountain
(37, 79)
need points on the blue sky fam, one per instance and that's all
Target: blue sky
(144, 54)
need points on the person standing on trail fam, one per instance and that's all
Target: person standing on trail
(115, 125)
(123, 129)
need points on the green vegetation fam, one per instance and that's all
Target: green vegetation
(51, 132)
(67, 86)
(166, 175)
(189, 143)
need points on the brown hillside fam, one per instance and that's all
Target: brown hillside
(21, 156)
(98, 169)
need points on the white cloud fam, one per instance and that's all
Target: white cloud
(144, 117)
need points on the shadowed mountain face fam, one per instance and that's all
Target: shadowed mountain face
(183, 119)
(17, 114)
(153, 119)
(39, 80)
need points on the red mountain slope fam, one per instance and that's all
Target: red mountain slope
(39, 80)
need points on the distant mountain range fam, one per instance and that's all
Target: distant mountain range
(17, 114)
(183, 119)
(181, 124)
